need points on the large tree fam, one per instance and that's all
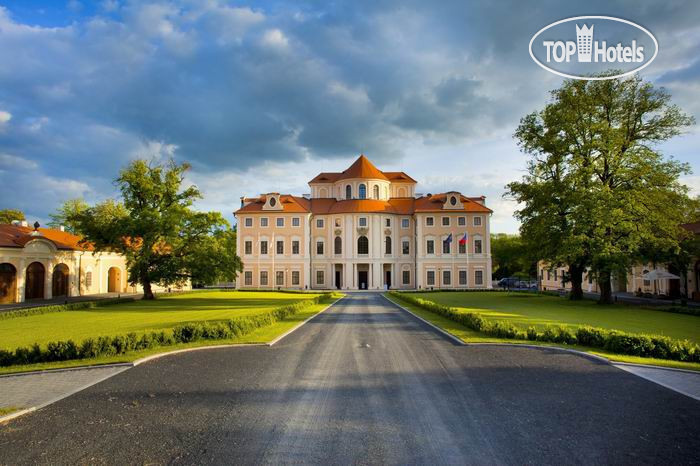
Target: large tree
(9, 215)
(597, 191)
(511, 256)
(164, 240)
(64, 215)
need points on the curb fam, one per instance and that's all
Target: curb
(650, 366)
(291, 330)
(443, 332)
(665, 385)
(19, 413)
(595, 357)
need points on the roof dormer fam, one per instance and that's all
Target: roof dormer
(453, 201)
(272, 202)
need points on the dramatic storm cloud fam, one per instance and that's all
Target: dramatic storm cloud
(262, 96)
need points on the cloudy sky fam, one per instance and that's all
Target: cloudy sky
(261, 96)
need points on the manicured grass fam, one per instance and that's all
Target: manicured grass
(8, 410)
(261, 335)
(524, 310)
(471, 336)
(139, 316)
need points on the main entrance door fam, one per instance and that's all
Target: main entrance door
(113, 280)
(362, 279)
(337, 279)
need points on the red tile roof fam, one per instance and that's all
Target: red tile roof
(15, 236)
(434, 203)
(362, 168)
(289, 204)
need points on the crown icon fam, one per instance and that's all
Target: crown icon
(584, 42)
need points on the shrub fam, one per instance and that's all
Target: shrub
(611, 340)
(183, 333)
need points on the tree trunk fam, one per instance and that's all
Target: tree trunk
(605, 287)
(147, 291)
(576, 277)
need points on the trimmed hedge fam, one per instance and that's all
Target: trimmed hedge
(183, 333)
(23, 312)
(691, 311)
(648, 346)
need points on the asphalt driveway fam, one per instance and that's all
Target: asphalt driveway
(364, 383)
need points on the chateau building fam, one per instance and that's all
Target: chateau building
(364, 229)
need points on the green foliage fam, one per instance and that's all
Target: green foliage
(183, 333)
(163, 239)
(596, 193)
(511, 256)
(610, 340)
(10, 215)
(66, 215)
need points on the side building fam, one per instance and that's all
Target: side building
(43, 263)
(364, 228)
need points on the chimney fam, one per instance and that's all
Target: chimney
(23, 223)
(62, 228)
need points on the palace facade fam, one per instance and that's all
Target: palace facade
(364, 229)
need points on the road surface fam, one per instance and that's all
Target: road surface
(364, 382)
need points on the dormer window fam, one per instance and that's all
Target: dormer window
(273, 201)
(453, 200)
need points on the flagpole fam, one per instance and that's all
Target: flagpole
(467, 235)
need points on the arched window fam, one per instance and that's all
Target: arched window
(348, 192)
(376, 191)
(387, 245)
(362, 245)
(363, 192)
(338, 246)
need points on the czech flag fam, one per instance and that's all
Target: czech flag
(463, 239)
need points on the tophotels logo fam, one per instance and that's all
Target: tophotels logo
(573, 51)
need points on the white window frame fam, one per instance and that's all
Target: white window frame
(296, 220)
(442, 221)
(360, 220)
(248, 222)
(266, 221)
(320, 223)
(461, 221)
(277, 222)
(408, 223)
(480, 221)
(432, 220)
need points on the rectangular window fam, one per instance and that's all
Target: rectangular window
(263, 221)
(446, 247)
(295, 247)
(319, 248)
(319, 223)
(549, 275)
(319, 277)
(279, 278)
(477, 221)
(387, 245)
(405, 223)
(406, 277)
(249, 222)
(477, 246)
(405, 247)
(296, 221)
(280, 222)
(295, 277)
(263, 247)
(462, 248)
(431, 278)
(248, 280)
(556, 272)
(363, 221)
(479, 277)
(446, 277)
(280, 247)
(462, 221)
(429, 221)
(445, 221)
(387, 223)
(248, 247)
(430, 247)
(463, 277)
(263, 278)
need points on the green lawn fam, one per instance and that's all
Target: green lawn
(490, 302)
(261, 335)
(524, 310)
(139, 316)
